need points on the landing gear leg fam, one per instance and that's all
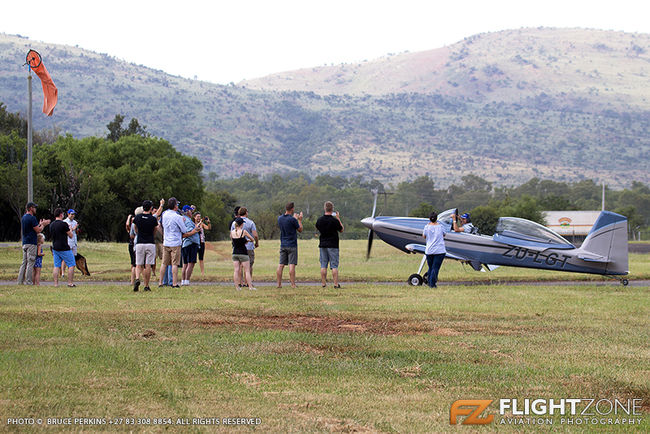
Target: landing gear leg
(416, 279)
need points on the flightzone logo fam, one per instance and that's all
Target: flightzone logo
(543, 411)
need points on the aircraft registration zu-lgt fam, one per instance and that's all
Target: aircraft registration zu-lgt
(517, 242)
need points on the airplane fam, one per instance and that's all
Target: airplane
(517, 242)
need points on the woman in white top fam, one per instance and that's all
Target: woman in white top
(434, 235)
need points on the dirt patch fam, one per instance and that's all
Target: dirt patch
(307, 323)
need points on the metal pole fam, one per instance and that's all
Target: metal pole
(30, 181)
(603, 206)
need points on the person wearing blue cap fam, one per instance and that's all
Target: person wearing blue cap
(466, 225)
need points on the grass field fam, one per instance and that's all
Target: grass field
(368, 358)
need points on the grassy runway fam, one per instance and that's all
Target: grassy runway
(369, 358)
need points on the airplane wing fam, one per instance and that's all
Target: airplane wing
(421, 248)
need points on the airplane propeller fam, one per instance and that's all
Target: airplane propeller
(371, 233)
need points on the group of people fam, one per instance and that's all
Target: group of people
(243, 234)
(182, 235)
(63, 231)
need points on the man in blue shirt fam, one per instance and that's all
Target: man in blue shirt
(290, 224)
(30, 227)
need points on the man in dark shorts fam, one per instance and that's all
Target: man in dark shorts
(290, 224)
(146, 225)
(329, 225)
(31, 227)
(60, 232)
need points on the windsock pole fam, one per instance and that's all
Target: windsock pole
(30, 180)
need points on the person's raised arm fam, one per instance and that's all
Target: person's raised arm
(338, 217)
(299, 218)
(160, 208)
(41, 225)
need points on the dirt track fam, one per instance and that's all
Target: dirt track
(638, 248)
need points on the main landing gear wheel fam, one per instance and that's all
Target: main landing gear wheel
(415, 280)
(624, 282)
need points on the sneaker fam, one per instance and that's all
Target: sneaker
(337, 286)
(146, 288)
(136, 285)
(176, 286)
(252, 288)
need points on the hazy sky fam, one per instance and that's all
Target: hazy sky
(229, 41)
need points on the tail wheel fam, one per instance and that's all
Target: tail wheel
(624, 282)
(415, 280)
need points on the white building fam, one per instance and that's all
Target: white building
(573, 225)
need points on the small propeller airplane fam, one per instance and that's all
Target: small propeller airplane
(517, 243)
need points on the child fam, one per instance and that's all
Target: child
(39, 259)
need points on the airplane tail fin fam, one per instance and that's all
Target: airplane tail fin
(607, 242)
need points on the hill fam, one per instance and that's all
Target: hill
(506, 122)
(605, 67)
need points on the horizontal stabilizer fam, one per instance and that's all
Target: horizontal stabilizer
(593, 258)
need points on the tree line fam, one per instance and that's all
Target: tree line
(105, 178)
(265, 196)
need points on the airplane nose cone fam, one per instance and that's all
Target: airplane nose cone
(368, 221)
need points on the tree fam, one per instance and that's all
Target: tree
(104, 181)
(115, 130)
(485, 218)
(422, 210)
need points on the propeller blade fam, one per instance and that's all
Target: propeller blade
(371, 234)
(375, 192)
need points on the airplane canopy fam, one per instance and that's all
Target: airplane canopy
(521, 232)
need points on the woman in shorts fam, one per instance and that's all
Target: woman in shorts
(240, 257)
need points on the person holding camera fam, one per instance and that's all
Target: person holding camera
(290, 224)
(204, 225)
(329, 225)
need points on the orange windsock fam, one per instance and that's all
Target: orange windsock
(50, 92)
